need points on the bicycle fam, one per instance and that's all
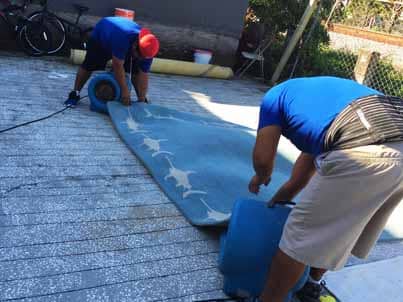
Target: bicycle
(62, 30)
(13, 17)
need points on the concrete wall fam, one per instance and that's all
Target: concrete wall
(223, 16)
(181, 25)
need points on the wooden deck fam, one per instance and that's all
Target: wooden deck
(80, 217)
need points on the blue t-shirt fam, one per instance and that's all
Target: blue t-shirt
(116, 36)
(304, 108)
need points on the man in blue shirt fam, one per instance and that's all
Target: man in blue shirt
(131, 49)
(349, 171)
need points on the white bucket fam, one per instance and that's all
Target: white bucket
(202, 56)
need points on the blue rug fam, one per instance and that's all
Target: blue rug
(202, 164)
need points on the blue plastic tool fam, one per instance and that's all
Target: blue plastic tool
(100, 105)
(249, 245)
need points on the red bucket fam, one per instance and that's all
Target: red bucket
(125, 13)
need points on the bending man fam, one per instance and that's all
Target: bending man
(131, 49)
(349, 171)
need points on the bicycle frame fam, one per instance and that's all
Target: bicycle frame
(60, 30)
(44, 4)
(69, 25)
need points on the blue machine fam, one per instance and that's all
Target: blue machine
(105, 78)
(249, 245)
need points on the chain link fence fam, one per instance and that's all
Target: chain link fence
(384, 77)
(347, 62)
(340, 57)
(379, 15)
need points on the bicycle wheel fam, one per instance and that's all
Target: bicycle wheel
(40, 38)
(87, 36)
(55, 29)
(77, 38)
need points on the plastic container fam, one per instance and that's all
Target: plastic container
(125, 13)
(202, 56)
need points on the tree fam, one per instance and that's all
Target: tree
(280, 19)
(371, 14)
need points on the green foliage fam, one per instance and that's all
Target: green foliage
(284, 14)
(279, 14)
(310, 46)
(327, 61)
(387, 79)
(366, 13)
(314, 56)
(280, 18)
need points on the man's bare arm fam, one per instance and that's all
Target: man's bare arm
(119, 72)
(264, 154)
(302, 172)
(140, 83)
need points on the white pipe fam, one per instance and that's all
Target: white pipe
(173, 67)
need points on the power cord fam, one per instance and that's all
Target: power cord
(228, 300)
(39, 119)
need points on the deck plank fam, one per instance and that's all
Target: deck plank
(81, 219)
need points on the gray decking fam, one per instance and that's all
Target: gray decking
(80, 217)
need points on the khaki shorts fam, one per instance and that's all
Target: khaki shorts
(345, 206)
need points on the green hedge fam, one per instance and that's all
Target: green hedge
(387, 79)
(326, 61)
(314, 56)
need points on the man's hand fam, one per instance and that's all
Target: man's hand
(140, 83)
(256, 182)
(302, 172)
(273, 202)
(126, 100)
(142, 100)
(263, 156)
(119, 72)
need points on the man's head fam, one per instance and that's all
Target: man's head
(147, 45)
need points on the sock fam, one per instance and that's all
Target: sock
(310, 279)
(77, 92)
